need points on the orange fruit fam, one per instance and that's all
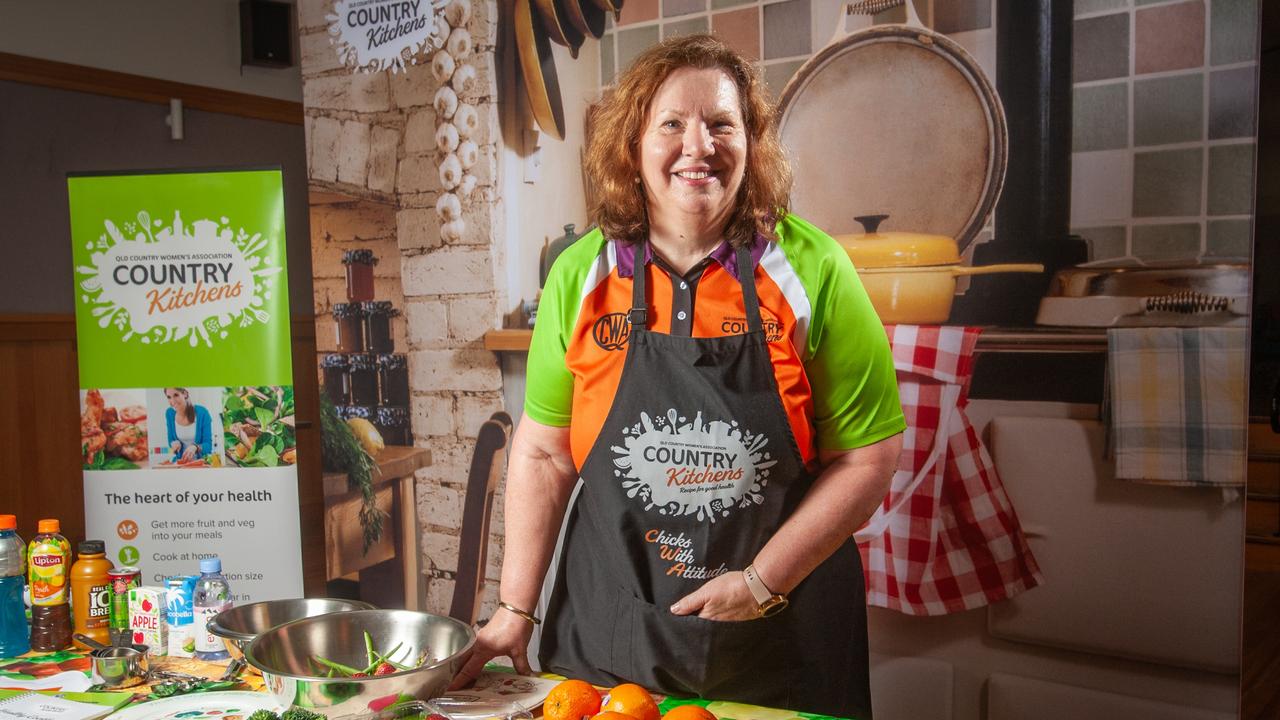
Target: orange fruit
(611, 715)
(689, 712)
(631, 699)
(571, 700)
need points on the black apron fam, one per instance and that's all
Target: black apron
(694, 470)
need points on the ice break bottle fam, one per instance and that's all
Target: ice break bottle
(212, 595)
(91, 592)
(13, 568)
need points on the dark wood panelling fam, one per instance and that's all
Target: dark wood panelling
(40, 415)
(39, 421)
(35, 71)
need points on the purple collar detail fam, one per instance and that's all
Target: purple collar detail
(723, 254)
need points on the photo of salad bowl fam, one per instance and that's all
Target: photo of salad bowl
(360, 661)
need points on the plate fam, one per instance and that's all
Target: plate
(224, 705)
(495, 688)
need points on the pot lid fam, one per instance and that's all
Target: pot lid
(876, 249)
(899, 120)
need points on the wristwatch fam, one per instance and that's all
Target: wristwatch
(770, 602)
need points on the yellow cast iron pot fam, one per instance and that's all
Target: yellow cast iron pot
(911, 277)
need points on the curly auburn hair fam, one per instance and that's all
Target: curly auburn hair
(616, 122)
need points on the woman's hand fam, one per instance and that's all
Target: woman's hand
(175, 446)
(724, 598)
(507, 634)
(189, 454)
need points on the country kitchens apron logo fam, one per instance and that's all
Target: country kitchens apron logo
(192, 282)
(697, 467)
(376, 35)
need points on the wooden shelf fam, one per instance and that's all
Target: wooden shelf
(395, 461)
(389, 570)
(1012, 340)
(508, 340)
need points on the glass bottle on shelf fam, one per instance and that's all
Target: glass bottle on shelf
(349, 319)
(364, 379)
(393, 424)
(334, 368)
(359, 274)
(394, 371)
(377, 321)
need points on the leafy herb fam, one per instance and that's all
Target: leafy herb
(342, 453)
(258, 426)
(101, 461)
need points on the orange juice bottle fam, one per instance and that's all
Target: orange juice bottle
(91, 592)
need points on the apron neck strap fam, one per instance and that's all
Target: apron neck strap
(639, 315)
(747, 278)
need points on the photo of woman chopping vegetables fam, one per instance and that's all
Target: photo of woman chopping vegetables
(189, 427)
(710, 367)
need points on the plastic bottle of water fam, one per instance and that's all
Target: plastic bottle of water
(212, 595)
(14, 636)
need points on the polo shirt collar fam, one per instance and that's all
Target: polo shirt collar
(723, 254)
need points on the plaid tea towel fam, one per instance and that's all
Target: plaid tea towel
(946, 538)
(1176, 405)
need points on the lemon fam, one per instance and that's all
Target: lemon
(368, 435)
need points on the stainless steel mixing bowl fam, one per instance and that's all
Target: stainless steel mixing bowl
(284, 657)
(240, 625)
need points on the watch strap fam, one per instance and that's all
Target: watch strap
(759, 590)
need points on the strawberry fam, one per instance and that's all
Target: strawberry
(384, 669)
(359, 675)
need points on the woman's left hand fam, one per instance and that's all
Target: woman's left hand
(189, 454)
(724, 598)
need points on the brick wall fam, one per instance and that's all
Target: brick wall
(371, 138)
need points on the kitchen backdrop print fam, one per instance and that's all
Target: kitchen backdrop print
(187, 408)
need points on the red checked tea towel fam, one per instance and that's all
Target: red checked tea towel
(946, 538)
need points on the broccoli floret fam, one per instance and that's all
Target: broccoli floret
(264, 715)
(297, 713)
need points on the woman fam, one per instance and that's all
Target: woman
(190, 427)
(732, 427)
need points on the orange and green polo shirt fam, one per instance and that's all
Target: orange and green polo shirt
(830, 353)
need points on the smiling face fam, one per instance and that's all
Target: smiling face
(693, 149)
(177, 398)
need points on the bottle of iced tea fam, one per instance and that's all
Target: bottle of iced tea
(48, 567)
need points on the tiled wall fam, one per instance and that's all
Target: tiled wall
(781, 35)
(1163, 134)
(1164, 137)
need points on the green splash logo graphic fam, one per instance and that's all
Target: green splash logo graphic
(185, 281)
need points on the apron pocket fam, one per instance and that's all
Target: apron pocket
(685, 655)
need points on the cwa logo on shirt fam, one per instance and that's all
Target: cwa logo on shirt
(705, 468)
(611, 331)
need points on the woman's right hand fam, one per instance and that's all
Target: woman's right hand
(506, 634)
(175, 446)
